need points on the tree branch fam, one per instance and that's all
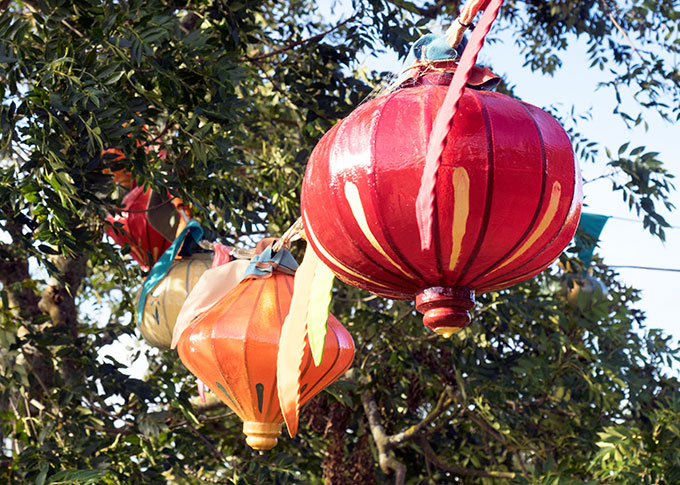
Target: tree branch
(388, 463)
(430, 11)
(456, 470)
(386, 443)
(13, 273)
(482, 423)
(58, 299)
(217, 453)
(295, 44)
(609, 13)
(445, 400)
(202, 420)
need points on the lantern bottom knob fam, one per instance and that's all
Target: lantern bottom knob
(261, 436)
(445, 308)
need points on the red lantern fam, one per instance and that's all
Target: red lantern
(148, 223)
(233, 347)
(508, 198)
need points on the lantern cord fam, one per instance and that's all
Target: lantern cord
(240, 253)
(236, 253)
(139, 211)
(425, 202)
(207, 245)
(293, 233)
(630, 219)
(649, 268)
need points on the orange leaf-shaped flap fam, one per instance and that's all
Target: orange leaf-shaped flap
(293, 342)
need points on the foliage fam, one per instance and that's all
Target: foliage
(235, 95)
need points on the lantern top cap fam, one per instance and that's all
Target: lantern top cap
(264, 264)
(432, 53)
(433, 47)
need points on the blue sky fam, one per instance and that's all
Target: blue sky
(622, 242)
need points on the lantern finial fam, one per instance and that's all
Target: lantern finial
(261, 436)
(445, 309)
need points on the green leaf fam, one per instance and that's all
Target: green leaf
(80, 477)
(319, 302)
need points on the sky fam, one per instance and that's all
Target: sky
(622, 243)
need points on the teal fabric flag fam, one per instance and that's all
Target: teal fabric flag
(591, 225)
(433, 47)
(162, 266)
(263, 264)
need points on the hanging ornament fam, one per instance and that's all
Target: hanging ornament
(233, 346)
(165, 300)
(496, 206)
(147, 222)
(583, 291)
(156, 313)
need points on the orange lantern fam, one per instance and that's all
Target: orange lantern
(233, 347)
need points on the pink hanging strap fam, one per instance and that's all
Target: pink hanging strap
(222, 254)
(443, 121)
(201, 390)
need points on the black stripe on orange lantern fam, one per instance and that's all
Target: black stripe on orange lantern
(232, 348)
(507, 198)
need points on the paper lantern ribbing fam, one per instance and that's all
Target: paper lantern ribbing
(165, 301)
(508, 198)
(148, 238)
(233, 347)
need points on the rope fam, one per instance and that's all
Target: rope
(630, 219)
(428, 66)
(443, 121)
(650, 268)
(293, 233)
